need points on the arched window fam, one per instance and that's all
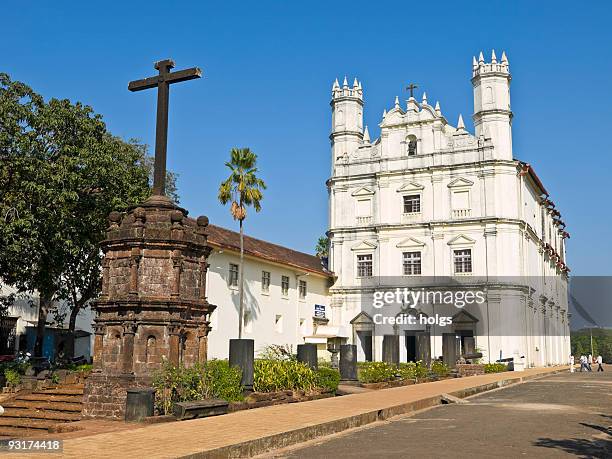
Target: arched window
(150, 349)
(412, 145)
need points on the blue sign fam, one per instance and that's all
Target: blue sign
(319, 311)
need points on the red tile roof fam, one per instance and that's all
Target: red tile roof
(230, 240)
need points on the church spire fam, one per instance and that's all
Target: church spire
(493, 57)
(460, 124)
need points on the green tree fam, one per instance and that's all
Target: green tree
(322, 247)
(61, 174)
(242, 189)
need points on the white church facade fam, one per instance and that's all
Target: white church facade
(428, 205)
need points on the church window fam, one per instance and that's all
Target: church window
(265, 281)
(412, 145)
(303, 288)
(412, 263)
(364, 265)
(461, 199)
(463, 261)
(233, 275)
(412, 204)
(278, 323)
(285, 285)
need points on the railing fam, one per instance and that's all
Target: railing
(364, 220)
(462, 213)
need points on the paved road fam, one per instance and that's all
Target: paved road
(558, 416)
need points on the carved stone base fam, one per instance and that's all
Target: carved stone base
(104, 395)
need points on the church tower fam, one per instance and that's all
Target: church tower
(492, 114)
(347, 118)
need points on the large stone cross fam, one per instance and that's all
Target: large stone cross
(163, 82)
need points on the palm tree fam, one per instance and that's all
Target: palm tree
(242, 189)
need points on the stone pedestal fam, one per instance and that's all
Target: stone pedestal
(348, 362)
(242, 355)
(153, 303)
(307, 353)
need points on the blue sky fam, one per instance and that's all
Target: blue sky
(268, 69)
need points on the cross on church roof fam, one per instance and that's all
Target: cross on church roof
(163, 82)
(411, 87)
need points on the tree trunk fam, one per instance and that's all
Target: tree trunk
(241, 280)
(44, 304)
(73, 316)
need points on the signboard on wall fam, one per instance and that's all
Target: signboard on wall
(319, 311)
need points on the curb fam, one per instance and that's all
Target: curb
(292, 437)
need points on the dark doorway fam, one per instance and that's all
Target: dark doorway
(365, 339)
(411, 348)
(418, 346)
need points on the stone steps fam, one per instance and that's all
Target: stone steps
(33, 414)
(52, 398)
(44, 405)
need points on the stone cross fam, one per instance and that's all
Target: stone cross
(411, 87)
(163, 82)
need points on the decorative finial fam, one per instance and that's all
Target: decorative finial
(504, 59)
(438, 111)
(345, 83)
(360, 85)
(480, 58)
(396, 102)
(493, 57)
(366, 135)
(384, 113)
(355, 84)
(424, 101)
(474, 62)
(336, 85)
(460, 124)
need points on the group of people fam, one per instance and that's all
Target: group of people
(586, 362)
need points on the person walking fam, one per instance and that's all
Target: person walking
(571, 363)
(599, 363)
(588, 362)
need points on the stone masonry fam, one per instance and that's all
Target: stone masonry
(153, 303)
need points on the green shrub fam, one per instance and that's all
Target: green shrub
(213, 379)
(495, 367)
(328, 378)
(412, 370)
(275, 375)
(373, 372)
(277, 352)
(13, 378)
(440, 368)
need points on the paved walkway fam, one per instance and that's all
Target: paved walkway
(251, 432)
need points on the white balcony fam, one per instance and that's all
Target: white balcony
(462, 213)
(364, 220)
(411, 217)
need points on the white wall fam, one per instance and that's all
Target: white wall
(263, 307)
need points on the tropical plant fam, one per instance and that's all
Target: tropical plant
(373, 372)
(439, 368)
(213, 379)
(275, 375)
(495, 367)
(328, 378)
(13, 378)
(241, 189)
(277, 352)
(412, 370)
(322, 247)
